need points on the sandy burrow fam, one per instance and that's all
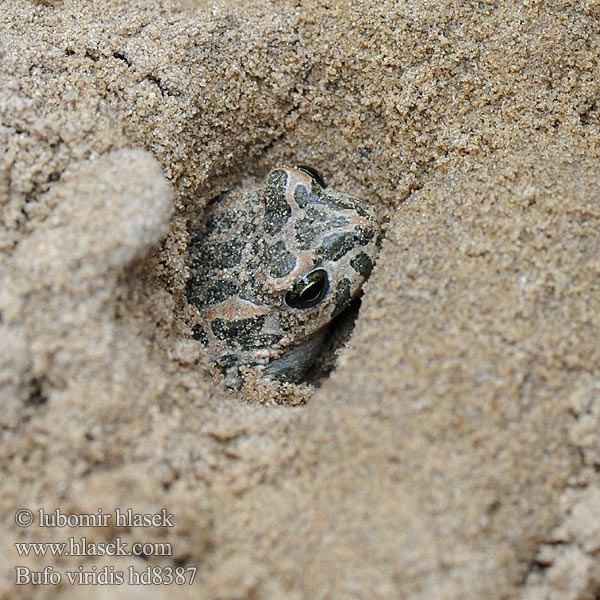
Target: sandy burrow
(454, 453)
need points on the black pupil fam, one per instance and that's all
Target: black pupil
(309, 290)
(310, 293)
(313, 173)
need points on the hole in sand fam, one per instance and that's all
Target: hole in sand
(245, 255)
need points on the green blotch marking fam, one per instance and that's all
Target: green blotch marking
(342, 296)
(201, 294)
(281, 261)
(306, 232)
(246, 332)
(362, 264)
(363, 235)
(198, 333)
(301, 196)
(336, 245)
(223, 255)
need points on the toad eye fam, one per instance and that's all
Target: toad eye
(309, 290)
(316, 175)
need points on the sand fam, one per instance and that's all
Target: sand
(455, 450)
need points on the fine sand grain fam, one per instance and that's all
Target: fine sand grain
(455, 450)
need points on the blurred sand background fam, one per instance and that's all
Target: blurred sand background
(455, 451)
